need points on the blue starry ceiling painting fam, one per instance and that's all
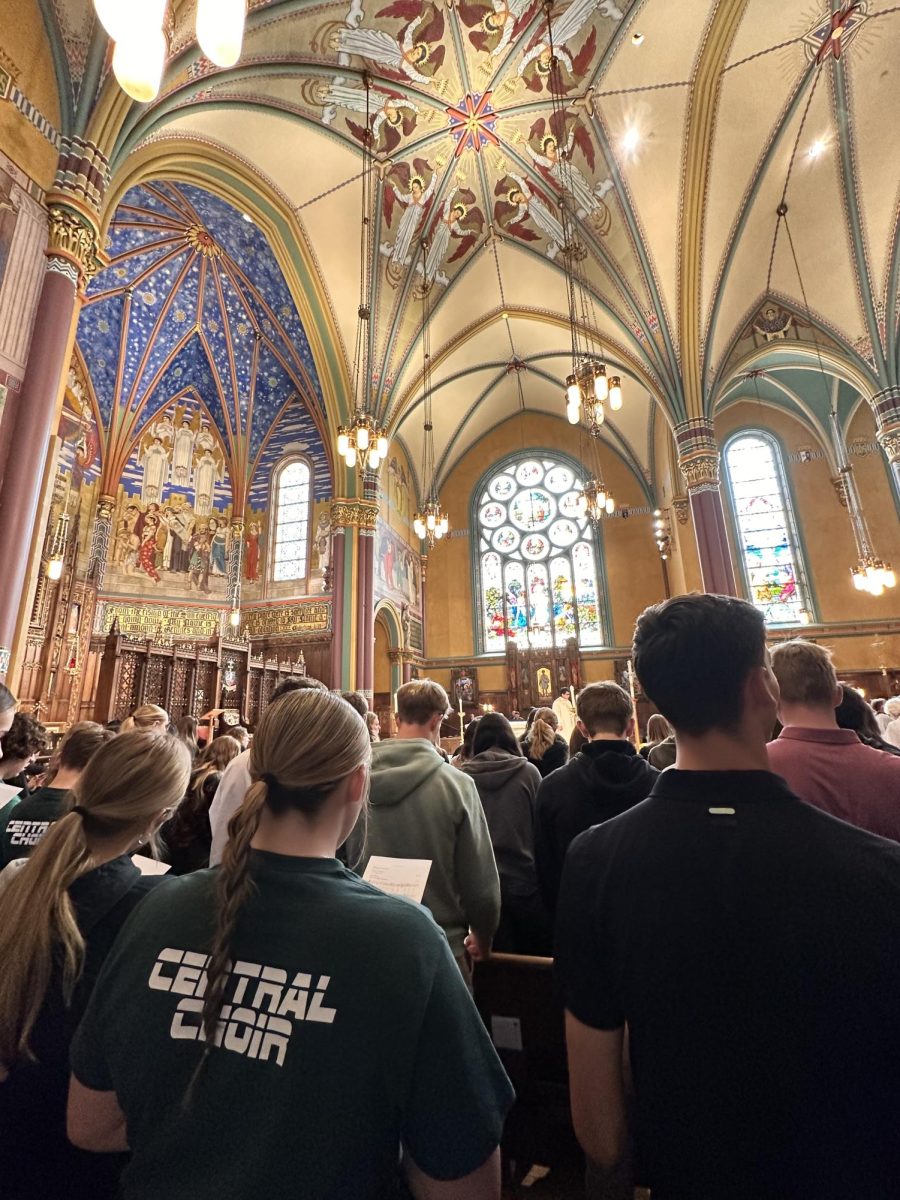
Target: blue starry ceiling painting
(193, 303)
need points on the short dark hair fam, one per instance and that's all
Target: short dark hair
(296, 683)
(604, 708)
(854, 713)
(494, 732)
(81, 743)
(25, 737)
(356, 701)
(693, 654)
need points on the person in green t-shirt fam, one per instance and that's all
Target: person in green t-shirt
(279, 1027)
(25, 820)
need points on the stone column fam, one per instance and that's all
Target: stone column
(338, 550)
(887, 415)
(71, 261)
(367, 516)
(698, 458)
(100, 538)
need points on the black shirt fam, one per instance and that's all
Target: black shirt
(755, 955)
(36, 1160)
(602, 780)
(22, 825)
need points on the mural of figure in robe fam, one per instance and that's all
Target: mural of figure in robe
(183, 453)
(251, 556)
(155, 461)
(411, 187)
(218, 546)
(413, 54)
(207, 472)
(584, 197)
(519, 201)
(462, 221)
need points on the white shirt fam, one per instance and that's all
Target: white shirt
(229, 797)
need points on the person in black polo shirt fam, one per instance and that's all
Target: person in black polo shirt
(23, 822)
(748, 942)
(606, 777)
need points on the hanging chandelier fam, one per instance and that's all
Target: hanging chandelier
(57, 548)
(871, 573)
(430, 522)
(594, 501)
(363, 444)
(588, 387)
(139, 54)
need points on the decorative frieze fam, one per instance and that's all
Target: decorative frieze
(347, 514)
(306, 617)
(72, 240)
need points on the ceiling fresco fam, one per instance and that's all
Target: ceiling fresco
(687, 125)
(193, 301)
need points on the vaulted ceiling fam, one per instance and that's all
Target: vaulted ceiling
(688, 123)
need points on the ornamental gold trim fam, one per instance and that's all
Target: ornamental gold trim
(74, 240)
(349, 514)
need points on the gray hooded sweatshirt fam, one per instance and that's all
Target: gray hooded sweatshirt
(421, 807)
(507, 785)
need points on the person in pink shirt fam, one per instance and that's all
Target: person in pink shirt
(822, 764)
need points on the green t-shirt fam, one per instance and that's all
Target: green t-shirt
(346, 1031)
(25, 820)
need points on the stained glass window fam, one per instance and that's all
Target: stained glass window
(768, 536)
(292, 496)
(537, 559)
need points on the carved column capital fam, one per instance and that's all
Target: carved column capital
(839, 483)
(698, 455)
(106, 506)
(347, 514)
(74, 243)
(681, 506)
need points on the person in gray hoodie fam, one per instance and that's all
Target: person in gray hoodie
(421, 807)
(507, 784)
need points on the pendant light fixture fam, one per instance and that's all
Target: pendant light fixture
(363, 444)
(431, 522)
(220, 29)
(588, 388)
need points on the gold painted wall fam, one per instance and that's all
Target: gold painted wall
(632, 563)
(825, 530)
(683, 562)
(25, 55)
(382, 662)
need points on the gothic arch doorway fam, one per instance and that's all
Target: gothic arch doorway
(388, 670)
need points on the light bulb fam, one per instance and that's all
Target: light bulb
(610, 504)
(429, 521)
(599, 414)
(438, 531)
(615, 393)
(374, 460)
(123, 19)
(445, 525)
(343, 443)
(54, 569)
(220, 29)
(601, 385)
(601, 498)
(382, 446)
(350, 456)
(362, 437)
(657, 512)
(890, 578)
(859, 579)
(805, 616)
(138, 64)
(234, 618)
(573, 413)
(876, 588)
(419, 527)
(573, 391)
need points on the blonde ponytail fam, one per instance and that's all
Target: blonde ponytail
(125, 785)
(542, 734)
(307, 743)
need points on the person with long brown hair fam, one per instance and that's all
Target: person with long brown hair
(279, 1027)
(542, 744)
(59, 916)
(187, 837)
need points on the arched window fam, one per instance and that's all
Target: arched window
(292, 493)
(537, 558)
(770, 547)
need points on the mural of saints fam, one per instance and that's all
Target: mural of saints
(154, 458)
(493, 24)
(208, 471)
(414, 54)
(252, 550)
(517, 201)
(183, 452)
(543, 149)
(460, 220)
(407, 186)
(536, 66)
(391, 116)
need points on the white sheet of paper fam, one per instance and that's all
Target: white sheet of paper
(399, 876)
(7, 791)
(149, 866)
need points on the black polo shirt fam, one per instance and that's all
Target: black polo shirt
(23, 824)
(752, 944)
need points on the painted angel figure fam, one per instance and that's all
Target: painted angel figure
(415, 201)
(155, 461)
(207, 472)
(393, 117)
(183, 452)
(536, 65)
(519, 200)
(163, 428)
(502, 20)
(587, 198)
(459, 219)
(413, 54)
(205, 438)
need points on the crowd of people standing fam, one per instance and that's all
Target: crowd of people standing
(261, 1020)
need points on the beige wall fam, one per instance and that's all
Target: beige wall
(25, 54)
(632, 563)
